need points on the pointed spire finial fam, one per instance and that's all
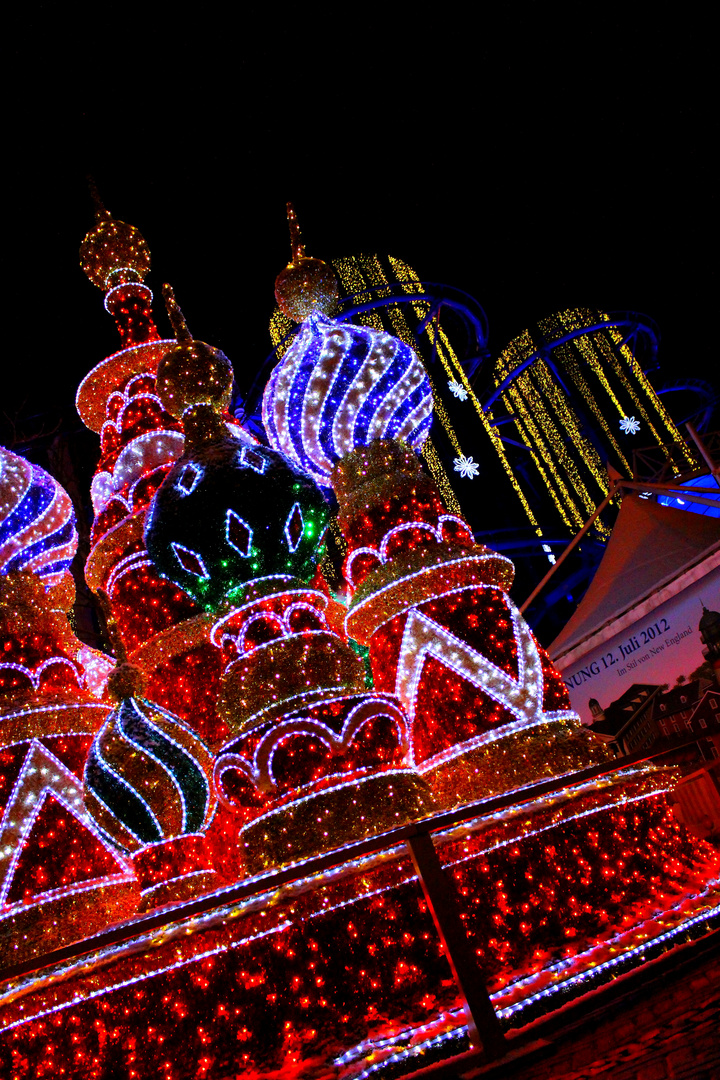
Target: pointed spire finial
(101, 212)
(297, 248)
(113, 252)
(175, 314)
(194, 381)
(306, 285)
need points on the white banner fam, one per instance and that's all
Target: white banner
(656, 649)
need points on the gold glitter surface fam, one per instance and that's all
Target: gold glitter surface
(173, 642)
(26, 608)
(299, 669)
(306, 284)
(182, 888)
(381, 459)
(54, 715)
(111, 374)
(113, 253)
(304, 287)
(335, 817)
(112, 546)
(525, 757)
(33, 931)
(193, 373)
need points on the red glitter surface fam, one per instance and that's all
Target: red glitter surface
(302, 759)
(72, 750)
(142, 414)
(178, 856)
(416, 500)
(30, 650)
(111, 515)
(358, 957)
(11, 759)
(555, 693)
(466, 711)
(59, 852)
(343, 966)
(188, 685)
(542, 888)
(479, 617)
(144, 604)
(131, 307)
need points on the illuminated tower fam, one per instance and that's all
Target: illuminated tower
(532, 437)
(165, 632)
(579, 400)
(59, 877)
(332, 964)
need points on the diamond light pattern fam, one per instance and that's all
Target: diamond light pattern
(189, 478)
(294, 527)
(253, 458)
(238, 534)
(189, 560)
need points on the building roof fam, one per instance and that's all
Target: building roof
(624, 708)
(673, 698)
(651, 548)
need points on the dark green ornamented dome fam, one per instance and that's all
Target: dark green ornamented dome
(228, 513)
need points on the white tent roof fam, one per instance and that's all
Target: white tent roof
(653, 552)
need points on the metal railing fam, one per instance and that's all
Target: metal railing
(414, 839)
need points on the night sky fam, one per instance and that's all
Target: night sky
(534, 162)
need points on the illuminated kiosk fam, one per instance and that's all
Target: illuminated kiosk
(332, 962)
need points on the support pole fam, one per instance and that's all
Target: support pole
(483, 1025)
(705, 454)
(575, 540)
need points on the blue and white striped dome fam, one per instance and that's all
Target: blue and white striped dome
(37, 521)
(340, 386)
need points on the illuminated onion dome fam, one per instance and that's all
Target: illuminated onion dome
(341, 386)
(306, 285)
(147, 776)
(37, 521)
(192, 373)
(227, 513)
(113, 252)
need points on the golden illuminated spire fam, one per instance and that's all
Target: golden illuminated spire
(306, 284)
(177, 319)
(113, 252)
(194, 380)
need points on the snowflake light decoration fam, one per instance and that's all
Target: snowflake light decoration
(457, 389)
(466, 467)
(629, 425)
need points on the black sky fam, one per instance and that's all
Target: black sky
(535, 161)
